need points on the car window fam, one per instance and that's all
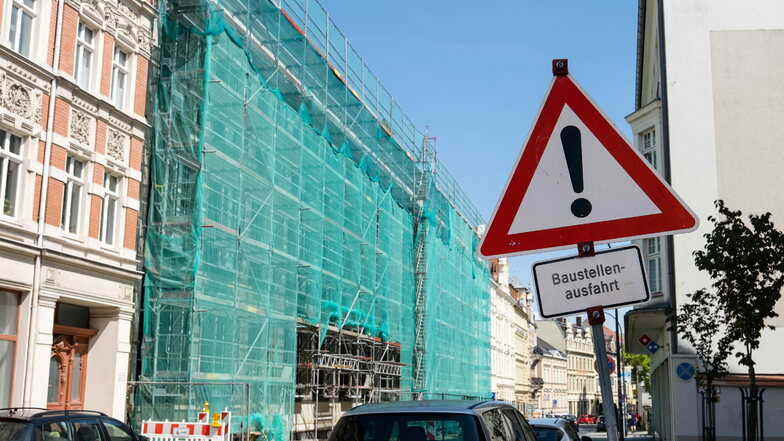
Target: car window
(548, 433)
(117, 431)
(529, 433)
(405, 427)
(57, 430)
(512, 426)
(87, 430)
(572, 433)
(15, 430)
(496, 425)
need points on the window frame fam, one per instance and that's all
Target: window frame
(120, 100)
(14, 24)
(72, 180)
(114, 197)
(648, 146)
(82, 46)
(7, 157)
(653, 256)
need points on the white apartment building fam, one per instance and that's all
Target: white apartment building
(552, 369)
(584, 393)
(708, 109)
(524, 330)
(502, 332)
(73, 91)
(576, 342)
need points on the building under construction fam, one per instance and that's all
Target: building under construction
(305, 250)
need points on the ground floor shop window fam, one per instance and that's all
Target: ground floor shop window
(9, 319)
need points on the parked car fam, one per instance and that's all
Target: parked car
(572, 419)
(586, 419)
(35, 424)
(433, 420)
(601, 425)
(555, 429)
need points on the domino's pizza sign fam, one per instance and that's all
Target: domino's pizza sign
(649, 343)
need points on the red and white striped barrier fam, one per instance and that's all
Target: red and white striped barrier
(219, 429)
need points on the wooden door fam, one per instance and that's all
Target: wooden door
(67, 372)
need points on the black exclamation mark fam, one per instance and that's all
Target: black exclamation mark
(570, 138)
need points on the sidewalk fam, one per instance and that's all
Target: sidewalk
(636, 436)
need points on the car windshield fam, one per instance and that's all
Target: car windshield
(547, 433)
(16, 430)
(406, 427)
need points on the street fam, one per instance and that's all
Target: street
(590, 431)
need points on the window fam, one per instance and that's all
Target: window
(109, 208)
(653, 254)
(119, 74)
(649, 147)
(88, 430)
(653, 245)
(56, 429)
(84, 56)
(10, 171)
(406, 427)
(654, 273)
(9, 315)
(72, 196)
(21, 26)
(495, 424)
(117, 432)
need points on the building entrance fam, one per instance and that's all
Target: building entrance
(67, 371)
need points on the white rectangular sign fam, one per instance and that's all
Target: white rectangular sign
(570, 285)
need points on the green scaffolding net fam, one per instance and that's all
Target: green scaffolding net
(284, 193)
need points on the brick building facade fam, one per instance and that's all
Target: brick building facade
(73, 89)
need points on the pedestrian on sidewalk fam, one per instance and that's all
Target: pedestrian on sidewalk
(638, 420)
(632, 423)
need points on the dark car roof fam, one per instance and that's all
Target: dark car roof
(31, 413)
(429, 406)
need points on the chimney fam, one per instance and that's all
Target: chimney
(579, 321)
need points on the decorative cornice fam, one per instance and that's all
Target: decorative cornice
(122, 125)
(48, 298)
(83, 104)
(125, 275)
(127, 21)
(112, 312)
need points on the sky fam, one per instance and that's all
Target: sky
(476, 73)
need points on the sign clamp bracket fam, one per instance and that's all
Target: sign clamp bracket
(586, 249)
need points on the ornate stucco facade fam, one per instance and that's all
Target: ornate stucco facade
(73, 91)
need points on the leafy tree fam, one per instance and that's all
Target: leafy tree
(746, 266)
(701, 324)
(641, 368)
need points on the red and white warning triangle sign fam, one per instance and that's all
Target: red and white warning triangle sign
(577, 179)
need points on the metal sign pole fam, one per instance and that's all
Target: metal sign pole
(596, 319)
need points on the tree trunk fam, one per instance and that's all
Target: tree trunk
(751, 403)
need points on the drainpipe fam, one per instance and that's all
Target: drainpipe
(31, 335)
(673, 303)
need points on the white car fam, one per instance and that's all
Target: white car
(555, 429)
